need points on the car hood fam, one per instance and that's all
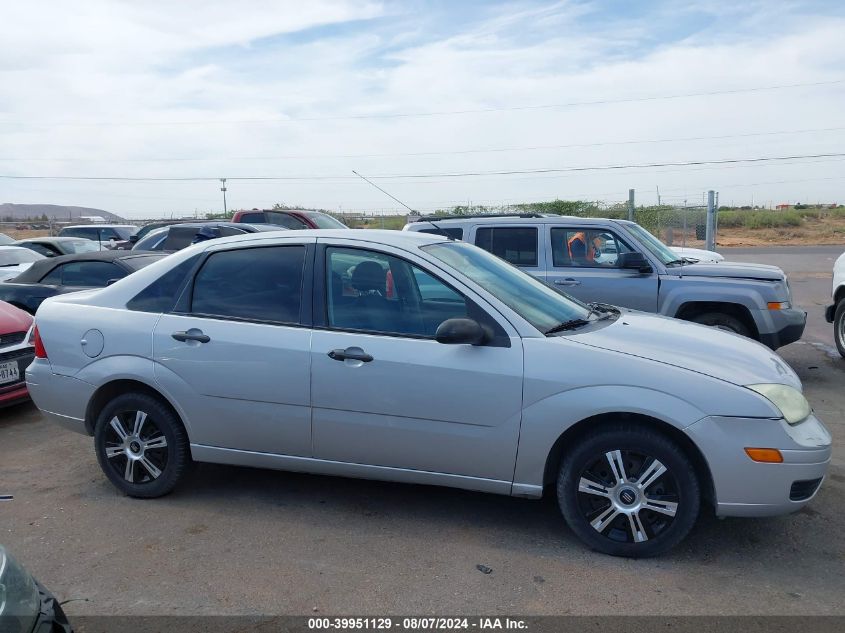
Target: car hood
(702, 349)
(13, 319)
(737, 270)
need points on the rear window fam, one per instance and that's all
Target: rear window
(517, 245)
(137, 262)
(454, 233)
(252, 218)
(324, 221)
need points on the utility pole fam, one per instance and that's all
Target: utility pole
(223, 189)
(710, 237)
(631, 205)
(657, 187)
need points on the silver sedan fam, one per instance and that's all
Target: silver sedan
(415, 358)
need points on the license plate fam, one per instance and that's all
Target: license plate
(9, 372)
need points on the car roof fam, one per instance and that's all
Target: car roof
(5, 247)
(98, 226)
(43, 266)
(234, 225)
(513, 219)
(52, 240)
(402, 239)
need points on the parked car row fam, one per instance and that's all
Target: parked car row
(414, 357)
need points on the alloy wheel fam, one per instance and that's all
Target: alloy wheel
(135, 447)
(628, 496)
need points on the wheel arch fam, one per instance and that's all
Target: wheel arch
(688, 310)
(839, 295)
(114, 388)
(572, 434)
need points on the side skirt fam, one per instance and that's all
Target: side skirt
(272, 461)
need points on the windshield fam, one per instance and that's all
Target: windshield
(152, 240)
(654, 245)
(324, 221)
(537, 303)
(80, 246)
(124, 232)
(15, 256)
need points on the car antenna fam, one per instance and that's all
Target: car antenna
(442, 232)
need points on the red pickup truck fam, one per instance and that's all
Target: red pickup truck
(289, 218)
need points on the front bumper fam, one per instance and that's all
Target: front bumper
(829, 313)
(787, 327)
(13, 393)
(743, 487)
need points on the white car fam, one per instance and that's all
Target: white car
(698, 254)
(16, 259)
(835, 312)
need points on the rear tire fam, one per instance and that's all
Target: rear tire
(627, 490)
(839, 327)
(723, 322)
(141, 445)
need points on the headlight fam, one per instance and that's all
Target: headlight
(790, 402)
(19, 601)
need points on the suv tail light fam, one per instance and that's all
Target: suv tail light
(40, 351)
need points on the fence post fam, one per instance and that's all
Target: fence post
(631, 205)
(710, 237)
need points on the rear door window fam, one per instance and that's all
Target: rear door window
(256, 284)
(517, 245)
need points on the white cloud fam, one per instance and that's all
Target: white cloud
(116, 88)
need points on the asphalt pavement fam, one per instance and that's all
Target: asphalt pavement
(242, 541)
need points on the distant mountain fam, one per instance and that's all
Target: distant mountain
(53, 212)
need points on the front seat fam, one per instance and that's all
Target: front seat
(372, 310)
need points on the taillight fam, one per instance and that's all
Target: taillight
(40, 352)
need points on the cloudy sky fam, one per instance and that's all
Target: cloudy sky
(418, 94)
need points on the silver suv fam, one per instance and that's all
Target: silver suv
(408, 357)
(620, 263)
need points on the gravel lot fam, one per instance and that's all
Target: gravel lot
(241, 541)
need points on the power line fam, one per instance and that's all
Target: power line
(398, 115)
(439, 153)
(504, 172)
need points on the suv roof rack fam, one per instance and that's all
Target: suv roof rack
(436, 218)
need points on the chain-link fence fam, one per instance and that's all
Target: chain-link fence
(675, 226)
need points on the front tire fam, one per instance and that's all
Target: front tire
(627, 490)
(722, 321)
(839, 327)
(141, 445)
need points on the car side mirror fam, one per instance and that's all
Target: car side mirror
(133, 238)
(633, 261)
(461, 331)
(111, 281)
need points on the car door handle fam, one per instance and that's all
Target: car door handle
(347, 354)
(569, 281)
(191, 335)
